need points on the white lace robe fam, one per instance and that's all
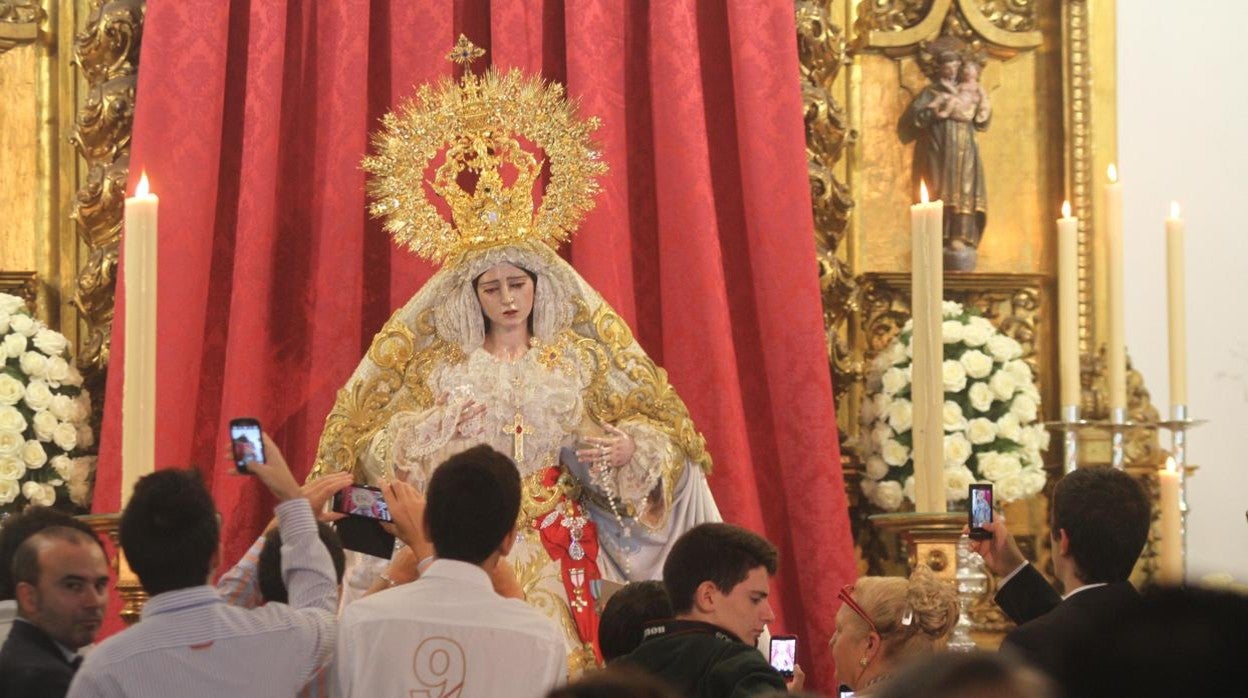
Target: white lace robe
(547, 393)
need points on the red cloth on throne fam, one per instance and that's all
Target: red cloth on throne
(252, 118)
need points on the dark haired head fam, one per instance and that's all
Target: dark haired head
(169, 531)
(1106, 516)
(25, 567)
(269, 565)
(18, 527)
(720, 553)
(627, 612)
(473, 500)
(969, 675)
(1176, 642)
(616, 682)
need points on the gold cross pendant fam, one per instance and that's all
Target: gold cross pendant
(517, 428)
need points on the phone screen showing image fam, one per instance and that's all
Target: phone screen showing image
(980, 510)
(784, 654)
(363, 501)
(246, 443)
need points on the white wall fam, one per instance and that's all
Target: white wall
(1183, 135)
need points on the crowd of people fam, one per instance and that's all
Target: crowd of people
(448, 617)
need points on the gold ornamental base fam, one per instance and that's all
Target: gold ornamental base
(930, 539)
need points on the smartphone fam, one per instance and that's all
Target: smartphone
(362, 501)
(366, 536)
(784, 654)
(246, 442)
(980, 511)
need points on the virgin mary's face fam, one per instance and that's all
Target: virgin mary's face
(505, 292)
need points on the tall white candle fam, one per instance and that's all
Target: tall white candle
(1068, 306)
(1117, 354)
(927, 388)
(138, 402)
(1177, 299)
(1170, 552)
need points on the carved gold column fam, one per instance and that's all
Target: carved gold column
(107, 50)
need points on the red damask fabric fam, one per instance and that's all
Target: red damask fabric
(251, 120)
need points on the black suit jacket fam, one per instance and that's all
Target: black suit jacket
(1049, 627)
(32, 665)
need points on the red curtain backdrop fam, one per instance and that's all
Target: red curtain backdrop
(252, 117)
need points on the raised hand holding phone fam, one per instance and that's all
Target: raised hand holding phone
(979, 511)
(274, 472)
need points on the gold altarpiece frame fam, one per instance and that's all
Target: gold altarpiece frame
(69, 71)
(1050, 72)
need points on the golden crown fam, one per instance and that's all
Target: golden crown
(486, 127)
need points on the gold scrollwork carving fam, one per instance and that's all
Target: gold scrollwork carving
(1141, 445)
(107, 52)
(1007, 23)
(824, 52)
(23, 284)
(1010, 15)
(19, 23)
(1011, 302)
(892, 15)
(899, 26)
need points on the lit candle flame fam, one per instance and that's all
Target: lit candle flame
(142, 188)
(1113, 173)
(1174, 209)
(1171, 466)
(1065, 209)
(922, 191)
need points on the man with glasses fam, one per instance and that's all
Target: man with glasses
(718, 577)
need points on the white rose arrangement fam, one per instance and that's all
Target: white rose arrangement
(989, 416)
(45, 434)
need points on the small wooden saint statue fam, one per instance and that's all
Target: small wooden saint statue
(942, 122)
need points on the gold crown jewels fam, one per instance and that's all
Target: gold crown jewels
(487, 128)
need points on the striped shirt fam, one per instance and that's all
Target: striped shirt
(190, 642)
(240, 586)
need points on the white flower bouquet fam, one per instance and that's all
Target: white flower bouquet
(990, 416)
(45, 434)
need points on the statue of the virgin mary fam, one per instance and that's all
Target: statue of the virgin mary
(507, 345)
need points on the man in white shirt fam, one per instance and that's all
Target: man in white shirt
(449, 632)
(1098, 526)
(190, 642)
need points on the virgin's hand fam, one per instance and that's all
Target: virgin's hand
(615, 450)
(468, 423)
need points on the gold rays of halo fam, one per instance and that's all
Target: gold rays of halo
(481, 121)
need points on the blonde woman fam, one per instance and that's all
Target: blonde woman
(886, 621)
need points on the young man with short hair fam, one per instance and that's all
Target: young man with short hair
(1098, 526)
(190, 642)
(61, 581)
(449, 632)
(719, 578)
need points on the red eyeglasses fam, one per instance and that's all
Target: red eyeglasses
(853, 606)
